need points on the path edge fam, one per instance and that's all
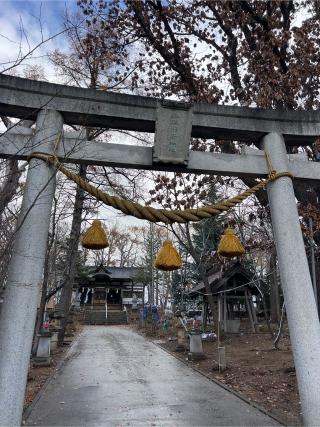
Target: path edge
(225, 387)
(27, 412)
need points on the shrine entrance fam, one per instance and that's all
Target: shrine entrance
(99, 296)
(114, 297)
(174, 124)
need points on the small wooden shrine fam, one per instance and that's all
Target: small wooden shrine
(237, 293)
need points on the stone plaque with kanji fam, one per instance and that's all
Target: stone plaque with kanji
(173, 133)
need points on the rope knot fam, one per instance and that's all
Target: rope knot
(51, 159)
(272, 175)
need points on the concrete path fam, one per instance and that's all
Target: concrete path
(114, 377)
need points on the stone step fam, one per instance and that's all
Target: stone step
(114, 307)
(98, 317)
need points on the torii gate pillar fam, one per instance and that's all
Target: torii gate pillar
(296, 282)
(25, 273)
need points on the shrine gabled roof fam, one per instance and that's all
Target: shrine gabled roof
(220, 280)
(108, 274)
(100, 274)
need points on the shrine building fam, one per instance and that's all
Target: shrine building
(108, 290)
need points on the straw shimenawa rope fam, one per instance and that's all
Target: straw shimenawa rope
(159, 215)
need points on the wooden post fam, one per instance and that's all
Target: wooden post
(143, 292)
(218, 320)
(205, 314)
(222, 359)
(249, 311)
(254, 314)
(225, 312)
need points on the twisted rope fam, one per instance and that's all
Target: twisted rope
(159, 215)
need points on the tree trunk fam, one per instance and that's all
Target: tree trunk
(66, 293)
(205, 315)
(42, 302)
(157, 291)
(8, 189)
(10, 184)
(156, 287)
(274, 291)
(279, 333)
(167, 291)
(44, 289)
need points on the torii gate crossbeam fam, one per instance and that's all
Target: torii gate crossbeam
(23, 98)
(15, 144)
(173, 124)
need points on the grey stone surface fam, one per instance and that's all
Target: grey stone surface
(54, 340)
(173, 133)
(252, 163)
(25, 271)
(296, 282)
(22, 97)
(44, 343)
(196, 343)
(114, 377)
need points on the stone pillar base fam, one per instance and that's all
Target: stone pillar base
(196, 356)
(41, 361)
(180, 347)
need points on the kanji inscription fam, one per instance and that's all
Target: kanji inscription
(173, 133)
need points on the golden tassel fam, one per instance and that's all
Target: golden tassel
(230, 245)
(168, 258)
(95, 237)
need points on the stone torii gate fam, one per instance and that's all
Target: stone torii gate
(174, 124)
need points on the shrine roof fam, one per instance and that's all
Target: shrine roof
(233, 276)
(110, 274)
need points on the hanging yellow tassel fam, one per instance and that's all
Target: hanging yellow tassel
(95, 237)
(230, 245)
(168, 258)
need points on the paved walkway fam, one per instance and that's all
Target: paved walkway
(114, 377)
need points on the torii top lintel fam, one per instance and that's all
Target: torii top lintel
(23, 98)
